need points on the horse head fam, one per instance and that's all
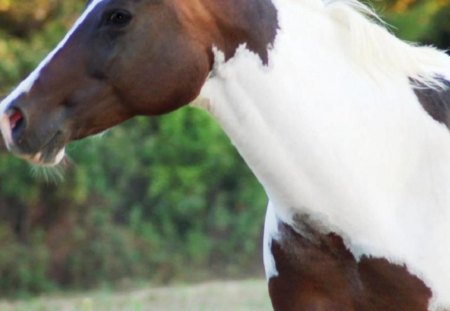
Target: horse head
(121, 59)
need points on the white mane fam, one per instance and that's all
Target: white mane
(377, 49)
(381, 52)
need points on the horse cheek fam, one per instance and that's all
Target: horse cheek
(170, 79)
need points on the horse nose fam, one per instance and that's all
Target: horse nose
(13, 124)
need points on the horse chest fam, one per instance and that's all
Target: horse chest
(316, 271)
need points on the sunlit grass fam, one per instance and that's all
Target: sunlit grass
(250, 295)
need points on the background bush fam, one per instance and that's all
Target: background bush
(161, 199)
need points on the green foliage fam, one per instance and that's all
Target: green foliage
(154, 198)
(24, 266)
(421, 21)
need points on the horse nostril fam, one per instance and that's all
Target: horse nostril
(15, 118)
(16, 121)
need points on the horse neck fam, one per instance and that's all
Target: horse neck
(274, 114)
(303, 122)
(328, 138)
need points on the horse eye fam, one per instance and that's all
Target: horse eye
(118, 18)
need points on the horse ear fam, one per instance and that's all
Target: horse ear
(436, 101)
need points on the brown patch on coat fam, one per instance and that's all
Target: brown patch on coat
(436, 102)
(227, 24)
(320, 273)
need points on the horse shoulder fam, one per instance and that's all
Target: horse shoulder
(316, 271)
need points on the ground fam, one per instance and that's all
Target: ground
(250, 295)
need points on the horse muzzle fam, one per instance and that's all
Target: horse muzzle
(28, 143)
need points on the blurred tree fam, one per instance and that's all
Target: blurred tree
(146, 212)
(441, 21)
(425, 21)
(20, 18)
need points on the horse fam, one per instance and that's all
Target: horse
(344, 125)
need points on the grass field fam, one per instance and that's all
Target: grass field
(214, 296)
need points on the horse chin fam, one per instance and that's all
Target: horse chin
(46, 158)
(50, 154)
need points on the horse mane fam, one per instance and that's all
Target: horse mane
(381, 53)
